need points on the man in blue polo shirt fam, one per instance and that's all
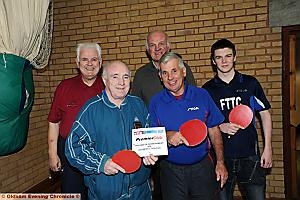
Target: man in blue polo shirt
(187, 172)
(230, 88)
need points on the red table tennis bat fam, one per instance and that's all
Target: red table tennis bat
(194, 131)
(241, 115)
(127, 159)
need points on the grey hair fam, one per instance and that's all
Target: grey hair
(156, 31)
(106, 65)
(89, 46)
(171, 55)
(104, 69)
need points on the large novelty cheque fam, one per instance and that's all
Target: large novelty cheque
(146, 141)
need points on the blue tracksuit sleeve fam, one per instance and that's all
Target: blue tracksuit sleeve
(80, 146)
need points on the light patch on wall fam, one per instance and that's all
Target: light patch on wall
(284, 12)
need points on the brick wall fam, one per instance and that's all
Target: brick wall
(120, 26)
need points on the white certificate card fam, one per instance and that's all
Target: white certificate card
(146, 141)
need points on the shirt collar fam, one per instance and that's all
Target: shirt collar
(237, 78)
(155, 66)
(109, 103)
(168, 96)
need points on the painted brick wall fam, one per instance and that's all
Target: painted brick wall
(120, 26)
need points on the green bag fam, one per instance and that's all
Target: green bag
(16, 100)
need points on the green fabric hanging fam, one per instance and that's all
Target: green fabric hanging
(16, 100)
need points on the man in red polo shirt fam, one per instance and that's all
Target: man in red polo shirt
(69, 97)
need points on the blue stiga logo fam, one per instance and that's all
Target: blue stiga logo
(193, 108)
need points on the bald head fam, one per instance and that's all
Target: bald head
(156, 34)
(113, 64)
(157, 44)
(116, 77)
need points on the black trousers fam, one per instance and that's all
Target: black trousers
(189, 182)
(72, 180)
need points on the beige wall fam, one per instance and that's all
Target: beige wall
(120, 26)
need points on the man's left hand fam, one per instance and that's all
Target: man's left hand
(150, 160)
(266, 158)
(221, 173)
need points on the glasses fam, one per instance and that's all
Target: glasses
(87, 60)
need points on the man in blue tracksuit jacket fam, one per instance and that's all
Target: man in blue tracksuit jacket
(102, 128)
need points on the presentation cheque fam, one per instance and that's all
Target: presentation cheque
(146, 141)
